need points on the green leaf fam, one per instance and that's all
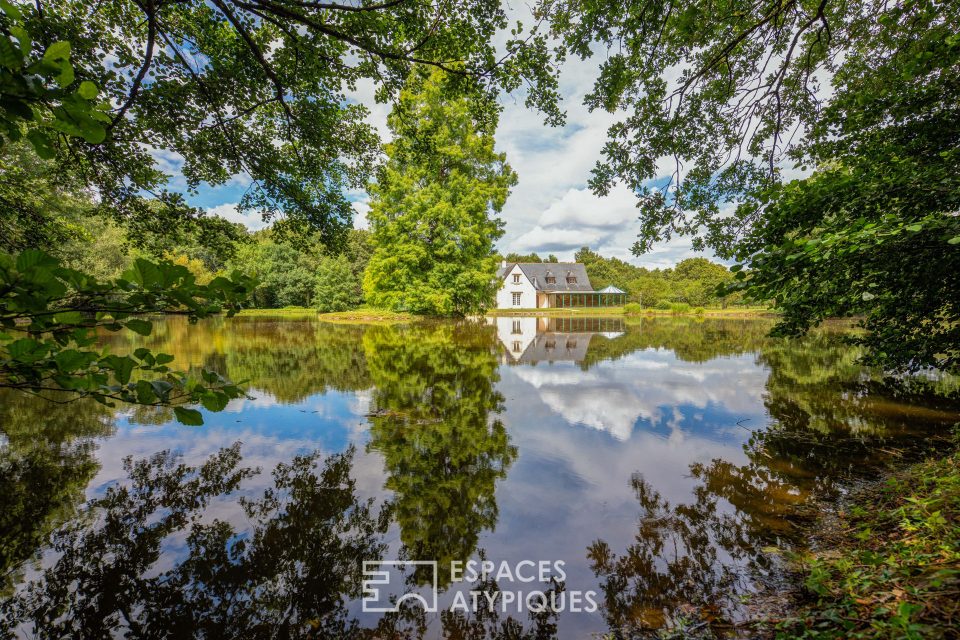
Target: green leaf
(57, 51)
(34, 258)
(10, 55)
(124, 371)
(87, 90)
(213, 401)
(41, 144)
(189, 417)
(144, 273)
(11, 10)
(66, 76)
(145, 392)
(954, 240)
(143, 327)
(23, 349)
(70, 360)
(68, 317)
(93, 132)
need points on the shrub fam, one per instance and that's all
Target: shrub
(632, 309)
(679, 307)
(663, 305)
(699, 311)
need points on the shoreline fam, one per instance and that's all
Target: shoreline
(369, 315)
(747, 312)
(885, 563)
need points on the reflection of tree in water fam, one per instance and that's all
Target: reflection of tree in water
(46, 460)
(831, 420)
(288, 358)
(674, 561)
(289, 576)
(434, 395)
(816, 384)
(690, 340)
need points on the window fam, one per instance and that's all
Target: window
(551, 279)
(516, 278)
(571, 344)
(571, 279)
(516, 327)
(517, 346)
(516, 298)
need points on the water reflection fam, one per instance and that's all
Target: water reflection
(46, 461)
(433, 422)
(657, 458)
(532, 339)
(288, 575)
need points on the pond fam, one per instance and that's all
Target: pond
(628, 473)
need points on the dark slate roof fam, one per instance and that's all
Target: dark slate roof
(537, 273)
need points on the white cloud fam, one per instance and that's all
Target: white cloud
(581, 208)
(377, 117)
(555, 239)
(361, 205)
(229, 211)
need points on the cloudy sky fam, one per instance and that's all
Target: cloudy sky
(551, 210)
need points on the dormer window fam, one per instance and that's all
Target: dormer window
(516, 278)
(551, 279)
(571, 279)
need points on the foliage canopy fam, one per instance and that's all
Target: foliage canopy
(257, 88)
(430, 211)
(862, 93)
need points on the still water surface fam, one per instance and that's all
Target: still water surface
(663, 465)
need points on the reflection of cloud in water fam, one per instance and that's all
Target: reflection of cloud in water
(270, 431)
(610, 410)
(651, 386)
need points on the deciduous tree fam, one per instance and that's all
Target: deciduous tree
(432, 205)
(336, 287)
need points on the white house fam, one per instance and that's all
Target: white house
(540, 285)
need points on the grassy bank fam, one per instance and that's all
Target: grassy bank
(293, 312)
(362, 315)
(631, 310)
(889, 564)
(368, 315)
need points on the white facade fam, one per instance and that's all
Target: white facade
(516, 292)
(516, 333)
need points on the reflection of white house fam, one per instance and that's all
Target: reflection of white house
(530, 339)
(538, 285)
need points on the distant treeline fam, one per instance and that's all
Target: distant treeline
(304, 274)
(294, 268)
(693, 281)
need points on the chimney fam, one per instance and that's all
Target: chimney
(503, 264)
